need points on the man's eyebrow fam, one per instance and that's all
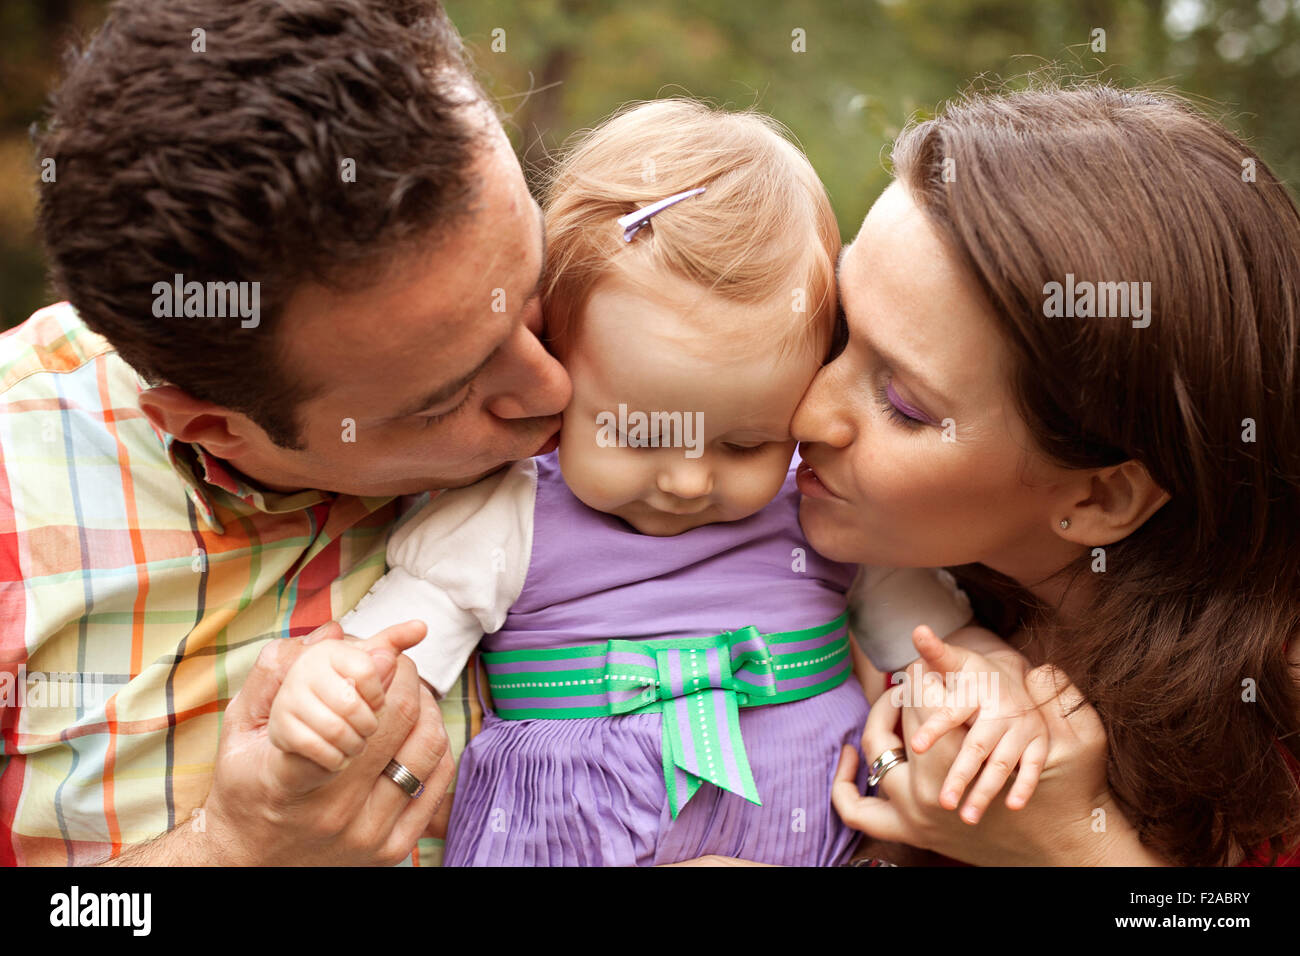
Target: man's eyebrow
(444, 392)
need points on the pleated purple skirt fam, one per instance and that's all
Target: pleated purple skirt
(590, 791)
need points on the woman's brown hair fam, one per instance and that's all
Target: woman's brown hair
(1182, 648)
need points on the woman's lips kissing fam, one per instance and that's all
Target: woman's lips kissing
(810, 483)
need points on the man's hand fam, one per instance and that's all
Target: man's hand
(329, 702)
(262, 809)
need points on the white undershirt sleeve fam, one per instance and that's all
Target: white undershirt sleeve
(887, 604)
(458, 564)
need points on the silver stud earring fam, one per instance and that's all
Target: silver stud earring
(1065, 523)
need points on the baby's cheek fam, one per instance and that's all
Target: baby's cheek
(758, 480)
(600, 477)
(576, 463)
(617, 473)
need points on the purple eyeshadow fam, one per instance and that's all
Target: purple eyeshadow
(905, 408)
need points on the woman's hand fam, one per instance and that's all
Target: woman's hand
(1006, 728)
(1072, 819)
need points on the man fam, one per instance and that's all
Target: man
(303, 268)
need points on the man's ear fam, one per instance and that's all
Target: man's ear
(1119, 500)
(220, 431)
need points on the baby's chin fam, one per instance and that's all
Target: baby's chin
(651, 521)
(660, 524)
(665, 525)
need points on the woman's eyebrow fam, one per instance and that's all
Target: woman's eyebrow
(914, 376)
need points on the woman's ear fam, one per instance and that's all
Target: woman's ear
(1120, 498)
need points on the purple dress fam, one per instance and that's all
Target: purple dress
(590, 791)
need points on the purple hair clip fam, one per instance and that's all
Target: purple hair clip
(633, 221)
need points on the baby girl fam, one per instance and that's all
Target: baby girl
(668, 661)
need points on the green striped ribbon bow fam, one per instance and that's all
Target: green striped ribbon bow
(697, 683)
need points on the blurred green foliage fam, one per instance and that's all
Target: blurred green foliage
(844, 85)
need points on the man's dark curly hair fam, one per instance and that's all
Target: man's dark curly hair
(226, 165)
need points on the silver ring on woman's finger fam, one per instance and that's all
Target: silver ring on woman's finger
(887, 761)
(404, 778)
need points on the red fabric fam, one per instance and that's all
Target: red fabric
(1261, 854)
(1260, 858)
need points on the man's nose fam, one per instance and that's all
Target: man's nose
(531, 382)
(685, 479)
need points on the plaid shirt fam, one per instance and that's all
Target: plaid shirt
(139, 579)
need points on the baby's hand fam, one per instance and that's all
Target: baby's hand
(1005, 726)
(328, 703)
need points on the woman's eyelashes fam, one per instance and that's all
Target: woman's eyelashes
(890, 401)
(900, 411)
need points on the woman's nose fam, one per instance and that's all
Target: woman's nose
(823, 414)
(685, 479)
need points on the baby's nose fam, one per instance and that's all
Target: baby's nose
(686, 479)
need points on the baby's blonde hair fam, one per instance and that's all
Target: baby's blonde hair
(762, 229)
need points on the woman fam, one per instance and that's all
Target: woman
(1070, 365)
